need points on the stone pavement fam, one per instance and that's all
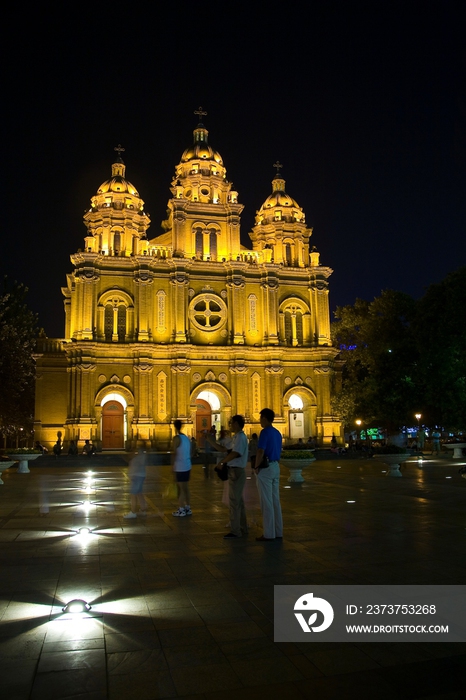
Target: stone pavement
(179, 612)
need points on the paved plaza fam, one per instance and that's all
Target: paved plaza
(177, 611)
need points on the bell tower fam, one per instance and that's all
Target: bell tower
(280, 230)
(204, 214)
(116, 222)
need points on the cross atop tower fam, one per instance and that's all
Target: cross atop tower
(200, 113)
(278, 165)
(119, 149)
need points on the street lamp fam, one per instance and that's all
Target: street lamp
(358, 423)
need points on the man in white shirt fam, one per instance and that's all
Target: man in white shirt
(236, 459)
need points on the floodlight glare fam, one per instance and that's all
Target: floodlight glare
(76, 606)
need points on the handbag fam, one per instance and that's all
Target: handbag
(222, 472)
(263, 465)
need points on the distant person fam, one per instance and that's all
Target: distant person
(137, 476)
(436, 442)
(208, 449)
(421, 438)
(72, 448)
(88, 449)
(194, 450)
(268, 480)
(181, 463)
(38, 446)
(57, 448)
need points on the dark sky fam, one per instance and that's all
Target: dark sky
(363, 103)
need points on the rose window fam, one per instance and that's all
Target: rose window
(208, 312)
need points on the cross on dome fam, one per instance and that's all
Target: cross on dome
(278, 165)
(119, 149)
(200, 113)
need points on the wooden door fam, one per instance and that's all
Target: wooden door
(113, 437)
(203, 420)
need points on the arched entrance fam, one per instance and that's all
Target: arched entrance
(207, 414)
(203, 420)
(113, 419)
(296, 417)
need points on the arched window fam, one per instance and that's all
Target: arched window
(117, 242)
(199, 244)
(121, 323)
(213, 245)
(294, 326)
(108, 323)
(288, 256)
(115, 321)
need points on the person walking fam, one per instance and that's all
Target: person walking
(137, 476)
(268, 479)
(436, 435)
(236, 459)
(181, 463)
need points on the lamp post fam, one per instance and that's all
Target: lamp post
(358, 423)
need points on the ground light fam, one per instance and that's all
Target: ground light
(83, 532)
(351, 501)
(77, 605)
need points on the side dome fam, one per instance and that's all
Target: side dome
(200, 150)
(279, 206)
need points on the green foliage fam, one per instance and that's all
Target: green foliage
(20, 451)
(18, 331)
(440, 334)
(380, 358)
(404, 356)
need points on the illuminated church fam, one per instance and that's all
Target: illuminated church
(189, 324)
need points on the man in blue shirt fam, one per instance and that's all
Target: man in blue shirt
(268, 480)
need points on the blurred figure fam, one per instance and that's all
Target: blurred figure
(137, 475)
(57, 448)
(194, 449)
(436, 442)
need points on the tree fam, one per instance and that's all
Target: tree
(439, 331)
(18, 331)
(379, 377)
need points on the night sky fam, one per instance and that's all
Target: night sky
(363, 103)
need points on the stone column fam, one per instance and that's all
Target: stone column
(143, 281)
(240, 388)
(180, 282)
(89, 279)
(236, 288)
(274, 373)
(181, 370)
(270, 288)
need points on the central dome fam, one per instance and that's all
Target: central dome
(200, 150)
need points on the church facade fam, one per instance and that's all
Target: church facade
(189, 324)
